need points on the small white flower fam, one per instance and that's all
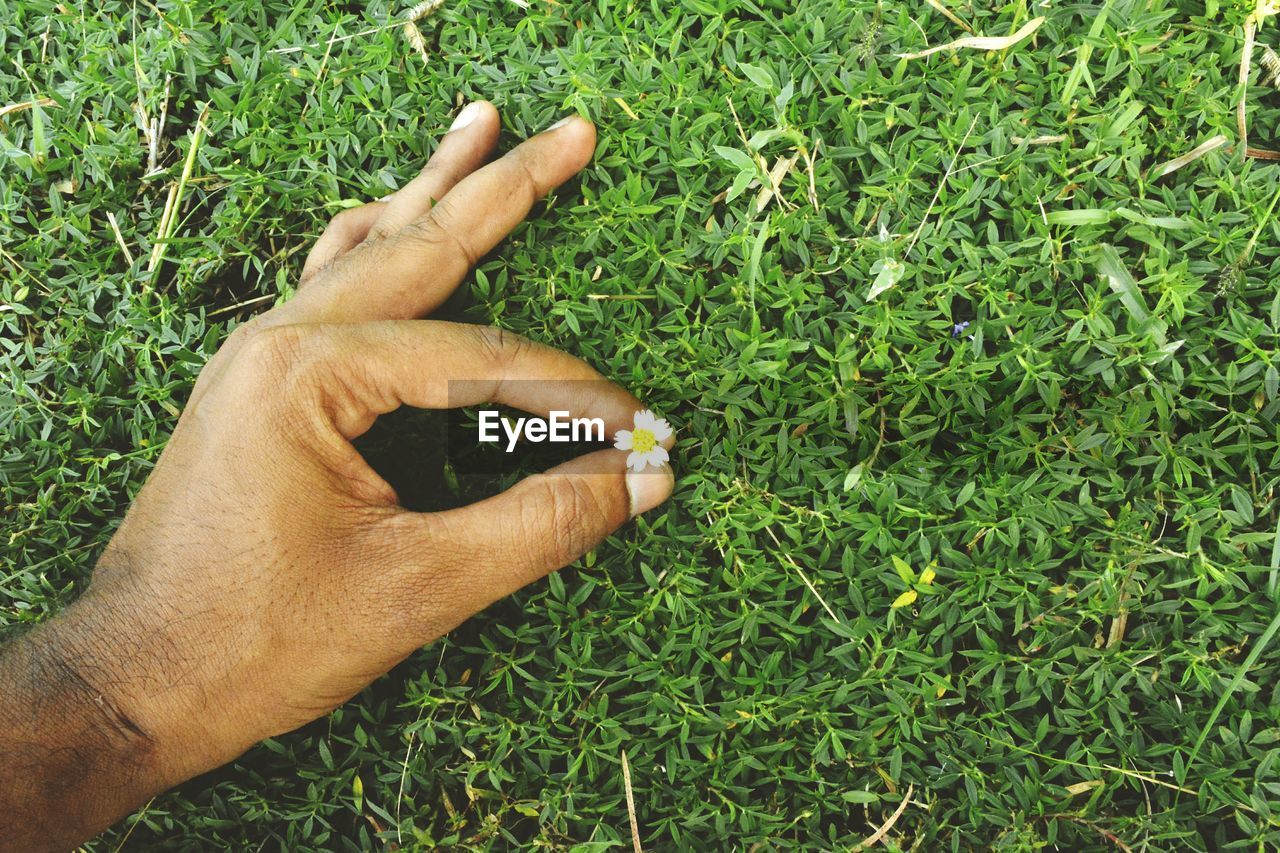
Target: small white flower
(644, 441)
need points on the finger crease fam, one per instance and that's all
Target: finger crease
(535, 191)
(467, 252)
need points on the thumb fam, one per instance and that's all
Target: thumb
(545, 522)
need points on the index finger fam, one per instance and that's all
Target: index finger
(369, 369)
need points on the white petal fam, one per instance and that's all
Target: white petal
(644, 419)
(622, 439)
(653, 458)
(662, 430)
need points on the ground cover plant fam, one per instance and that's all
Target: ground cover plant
(972, 540)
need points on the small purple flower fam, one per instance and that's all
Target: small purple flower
(958, 329)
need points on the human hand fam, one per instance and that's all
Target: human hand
(265, 573)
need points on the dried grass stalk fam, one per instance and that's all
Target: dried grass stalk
(982, 42)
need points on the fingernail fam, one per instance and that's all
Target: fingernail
(469, 114)
(649, 487)
(561, 123)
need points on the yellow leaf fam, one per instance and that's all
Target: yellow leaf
(1081, 787)
(905, 599)
(927, 576)
(626, 109)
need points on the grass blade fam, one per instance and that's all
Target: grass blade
(1256, 652)
(1275, 564)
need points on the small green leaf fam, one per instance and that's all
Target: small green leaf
(1080, 70)
(39, 144)
(1083, 216)
(785, 96)
(853, 478)
(1241, 504)
(740, 159)
(740, 183)
(759, 76)
(1169, 223)
(764, 137)
(1127, 115)
(888, 272)
(1122, 283)
(903, 569)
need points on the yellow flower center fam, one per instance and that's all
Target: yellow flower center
(642, 441)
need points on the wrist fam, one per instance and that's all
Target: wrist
(143, 681)
(75, 759)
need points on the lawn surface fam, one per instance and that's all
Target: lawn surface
(1072, 500)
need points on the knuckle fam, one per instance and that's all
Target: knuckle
(513, 347)
(384, 228)
(274, 347)
(281, 356)
(344, 220)
(437, 229)
(500, 348)
(527, 182)
(346, 228)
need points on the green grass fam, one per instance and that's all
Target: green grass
(1090, 468)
